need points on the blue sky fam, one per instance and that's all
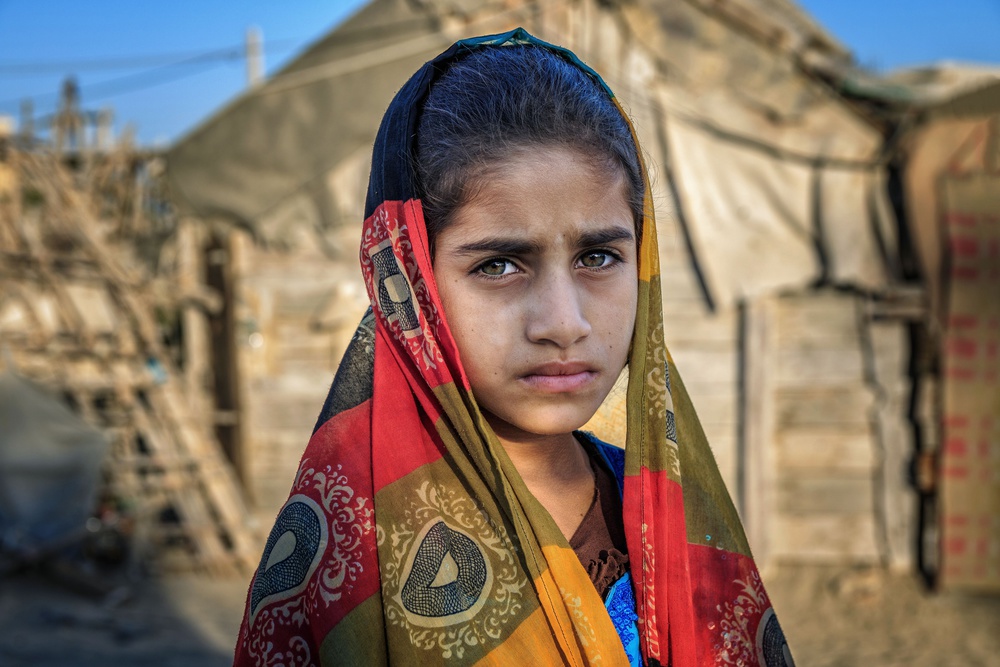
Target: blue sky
(42, 41)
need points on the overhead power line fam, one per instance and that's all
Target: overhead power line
(125, 84)
(148, 78)
(134, 61)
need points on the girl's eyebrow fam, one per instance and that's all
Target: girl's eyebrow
(604, 236)
(511, 246)
(500, 246)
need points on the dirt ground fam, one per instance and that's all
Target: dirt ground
(831, 617)
(844, 618)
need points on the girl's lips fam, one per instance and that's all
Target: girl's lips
(559, 383)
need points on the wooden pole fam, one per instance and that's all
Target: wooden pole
(757, 458)
(103, 140)
(254, 56)
(197, 364)
(27, 129)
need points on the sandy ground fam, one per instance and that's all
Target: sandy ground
(831, 617)
(845, 618)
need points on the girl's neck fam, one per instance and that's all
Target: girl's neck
(557, 471)
(552, 460)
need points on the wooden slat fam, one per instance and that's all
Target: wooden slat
(890, 362)
(818, 320)
(799, 367)
(757, 493)
(683, 329)
(831, 538)
(817, 492)
(823, 407)
(706, 364)
(830, 447)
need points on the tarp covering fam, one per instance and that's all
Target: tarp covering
(779, 183)
(282, 138)
(760, 222)
(952, 143)
(50, 462)
(932, 87)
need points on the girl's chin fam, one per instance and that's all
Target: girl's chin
(541, 423)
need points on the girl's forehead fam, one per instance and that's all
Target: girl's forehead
(552, 199)
(550, 171)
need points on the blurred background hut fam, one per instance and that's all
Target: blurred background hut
(98, 445)
(790, 308)
(947, 157)
(953, 198)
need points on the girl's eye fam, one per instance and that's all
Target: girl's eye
(495, 268)
(596, 260)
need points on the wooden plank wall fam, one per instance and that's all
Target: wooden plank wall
(829, 441)
(296, 313)
(825, 450)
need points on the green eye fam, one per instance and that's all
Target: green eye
(494, 267)
(594, 260)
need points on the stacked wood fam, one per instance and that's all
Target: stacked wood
(827, 440)
(77, 320)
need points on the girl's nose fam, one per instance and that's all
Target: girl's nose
(556, 312)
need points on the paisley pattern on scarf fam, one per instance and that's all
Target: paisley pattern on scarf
(445, 570)
(291, 554)
(748, 630)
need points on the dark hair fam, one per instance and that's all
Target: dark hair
(497, 100)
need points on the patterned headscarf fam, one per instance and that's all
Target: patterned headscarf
(403, 473)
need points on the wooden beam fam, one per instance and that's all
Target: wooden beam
(756, 471)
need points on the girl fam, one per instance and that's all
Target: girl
(447, 508)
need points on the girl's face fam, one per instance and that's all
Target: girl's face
(538, 277)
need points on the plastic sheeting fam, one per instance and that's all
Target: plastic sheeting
(50, 462)
(945, 145)
(280, 140)
(759, 222)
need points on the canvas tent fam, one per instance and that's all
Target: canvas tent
(775, 236)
